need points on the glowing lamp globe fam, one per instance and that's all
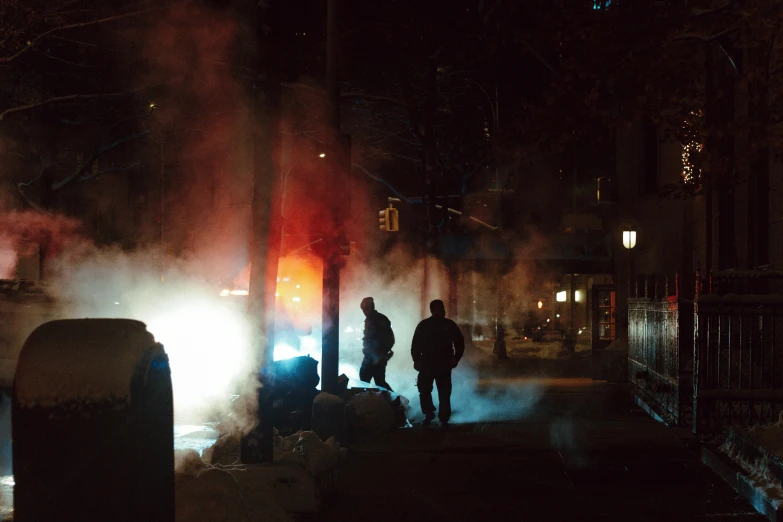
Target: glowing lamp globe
(629, 239)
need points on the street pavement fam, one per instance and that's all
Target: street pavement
(584, 452)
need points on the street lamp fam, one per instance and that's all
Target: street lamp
(629, 241)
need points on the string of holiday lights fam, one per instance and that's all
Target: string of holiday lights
(691, 148)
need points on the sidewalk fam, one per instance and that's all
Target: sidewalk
(583, 453)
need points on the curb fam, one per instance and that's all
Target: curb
(736, 477)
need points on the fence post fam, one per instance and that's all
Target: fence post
(677, 284)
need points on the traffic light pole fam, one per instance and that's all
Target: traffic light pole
(330, 308)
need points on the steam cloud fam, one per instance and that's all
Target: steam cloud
(174, 287)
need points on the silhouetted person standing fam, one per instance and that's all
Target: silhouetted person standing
(376, 345)
(437, 347)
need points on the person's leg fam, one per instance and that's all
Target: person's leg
(380, 376)
(443, 381)
(366, 370)
(424, 383)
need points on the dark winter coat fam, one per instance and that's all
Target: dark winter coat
(437, 342)
(378, 336)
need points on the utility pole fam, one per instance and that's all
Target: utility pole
(338, 163)
(265, 239)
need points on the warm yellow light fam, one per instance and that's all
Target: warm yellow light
(561, 296)
(540, 304)
(295, 299)
(239, 292)
(322, 155)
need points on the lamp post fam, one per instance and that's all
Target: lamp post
(629, 242)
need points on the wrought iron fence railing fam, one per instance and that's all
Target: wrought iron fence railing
(738, 352)
(659, 355)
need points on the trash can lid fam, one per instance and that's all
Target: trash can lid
(81, 360)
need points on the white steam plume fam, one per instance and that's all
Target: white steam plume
(205, 336)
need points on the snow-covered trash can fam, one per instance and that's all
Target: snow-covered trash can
(92, 424)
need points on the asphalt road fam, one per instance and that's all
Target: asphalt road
(584, 452)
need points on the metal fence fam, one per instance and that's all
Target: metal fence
(738, 352)
(659, 361)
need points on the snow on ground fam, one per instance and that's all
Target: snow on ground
(197, 437)
(770, 439)
(302, 471)
(6, 496)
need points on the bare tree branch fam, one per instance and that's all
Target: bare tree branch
(97, 21)
(80, 172)
(701, 37)
(110, 170)
(372, 97)
(27, 199)
(68, 97)
(63, 60)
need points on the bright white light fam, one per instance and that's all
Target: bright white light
(540, 304)
(208, 344)
(557, 315)
(286, 279)
(295, 299)
(629, 239)
(578, 296)
(225, 292)
(308, 345)
(239, 292)
(561, 296)
(8, 480)
(349, 330)
(311, 347)
(547, 319)
(277, 294)
(284, 351)
(322, 155)
(115, 302)
(297, 286)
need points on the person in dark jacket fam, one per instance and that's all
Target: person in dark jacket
(437, 347)
(376, 345)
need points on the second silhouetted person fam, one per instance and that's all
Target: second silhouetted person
(437, 347)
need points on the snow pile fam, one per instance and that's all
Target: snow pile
(309, 451)
(216, 495)
(194, 437)
(303, 470)
(82, 360)
(6, 497)
(374, 412)
(769, 439)
(188, 463)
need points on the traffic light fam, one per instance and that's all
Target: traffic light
(389, 219)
